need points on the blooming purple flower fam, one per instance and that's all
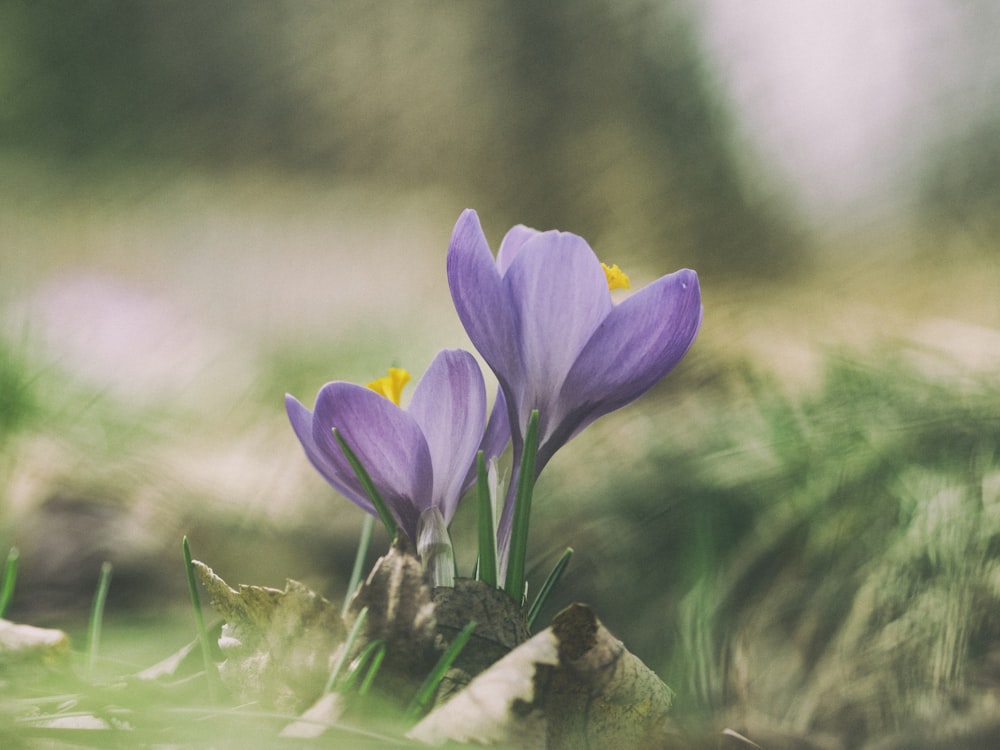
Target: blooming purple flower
(542, 316)
(419, 457)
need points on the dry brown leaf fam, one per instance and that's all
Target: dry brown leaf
(501, 625)
(573, 685)
(401, 613)
(279, 645)
(503, 705)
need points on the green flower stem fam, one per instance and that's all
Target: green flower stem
(522, 511)
(97, 616)
(9, 579)
(206, 645)
(364, 541)
(487, 526)
(433, 680)
(388, 520)
(550, 582)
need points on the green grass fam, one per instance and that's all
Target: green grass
(826, 562)
(19, 400)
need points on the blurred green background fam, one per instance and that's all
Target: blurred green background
(208, 204)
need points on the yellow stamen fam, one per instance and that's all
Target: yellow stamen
(391, 385)
(617, 279)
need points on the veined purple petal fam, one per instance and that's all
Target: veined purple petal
(497, 433)
(449, 406)
(638, 343)
(495, 438)
(511, 245)
(480, 299)
(302, 422)
(388, 442)
(559, 294)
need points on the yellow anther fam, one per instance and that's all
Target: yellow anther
(617, 279)
(391, 385)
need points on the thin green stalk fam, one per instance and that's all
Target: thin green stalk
(487, 571)
(376, 663)
(433, 680)
(371, 656)
(348, 647)
(97, 616)
(388, 520)
(203, 639)
(9, 579)
(522, 511)
(364, 541)
(550, 582)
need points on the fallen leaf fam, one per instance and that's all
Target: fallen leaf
(501, 625)
(503, 705)
(573, 685)
(279, 645)
(401, 613)
(602, 695)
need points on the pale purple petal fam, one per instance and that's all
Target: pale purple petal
(495, 438)
(480, 299)
(302, 422)
(511, 245)
(387, 441)
(638, 343)
(449, 406)
(559, 294)
(497, 433)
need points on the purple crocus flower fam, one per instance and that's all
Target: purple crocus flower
(542, 316)
(419, 457)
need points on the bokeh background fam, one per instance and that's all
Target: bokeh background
(205, 205)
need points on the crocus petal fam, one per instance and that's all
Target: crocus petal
(480, 299)
(302, 423)
(388, 442)
(638, 343)
(495, 438)
(449, 406)
(559, 294)
(497, 433)
(511, 245)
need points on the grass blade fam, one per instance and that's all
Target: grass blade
(97, 616)
(364, 542)
(371, 656)
(199, 618)
(348, 647)
(522, 511)
(388, 520)
(487, 571)
(550, 582)
(433, 679)
(9, 579)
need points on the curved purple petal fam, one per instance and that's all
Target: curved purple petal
(638, 343)
(449, 406)
(388, 442)
(480, 300)
(558, 293)
(302, 423)
(511, 245)
(495, 438)
(497, 433)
